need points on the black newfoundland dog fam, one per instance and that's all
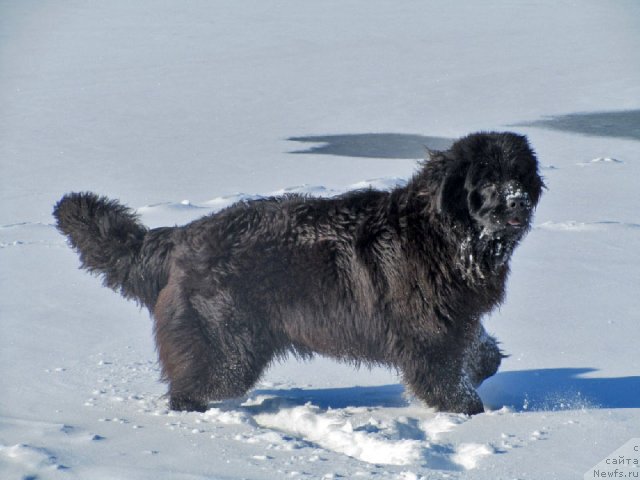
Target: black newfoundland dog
(398, 277)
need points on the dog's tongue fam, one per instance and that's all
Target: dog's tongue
(514, 222)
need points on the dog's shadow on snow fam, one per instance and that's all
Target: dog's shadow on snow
(559, 389)
(550, 389)
(373, 145)
(389, 396)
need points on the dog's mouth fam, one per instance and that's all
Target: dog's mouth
(515, 222)
(514, 225)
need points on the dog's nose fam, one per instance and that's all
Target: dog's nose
(515, 197)
(517, 202)
(517, 206)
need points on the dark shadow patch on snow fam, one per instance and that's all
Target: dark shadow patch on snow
(619, 124)
(378, 396)
(559, 389)
(373, 145)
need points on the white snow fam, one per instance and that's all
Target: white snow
(468, 454)
(605, 160)
(334, 431)
(176, 107)
(20, 457)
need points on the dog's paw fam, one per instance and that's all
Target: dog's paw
(474, 405)
(183, 403)
(467, 401)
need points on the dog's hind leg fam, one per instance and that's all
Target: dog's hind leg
(206, 351)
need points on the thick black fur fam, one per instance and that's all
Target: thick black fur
(399, 278)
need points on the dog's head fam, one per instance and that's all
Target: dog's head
(491, 181)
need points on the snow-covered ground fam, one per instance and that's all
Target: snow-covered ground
(176, 107)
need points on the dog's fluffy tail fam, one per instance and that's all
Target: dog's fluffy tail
(113, 243)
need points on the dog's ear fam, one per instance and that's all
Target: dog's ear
(451, 196)
(441, 183)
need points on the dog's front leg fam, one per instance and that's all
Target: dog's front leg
(482, 357)
(442, 383)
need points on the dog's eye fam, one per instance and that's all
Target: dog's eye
(475, 201)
